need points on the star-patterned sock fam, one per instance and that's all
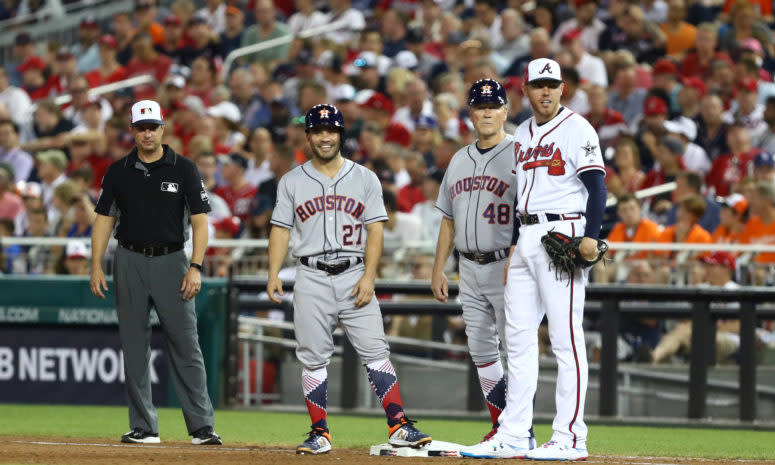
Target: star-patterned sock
(493, 385)
(383, 379)
(315, 385)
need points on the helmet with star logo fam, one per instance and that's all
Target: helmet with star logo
(324, 115)
(487, 91)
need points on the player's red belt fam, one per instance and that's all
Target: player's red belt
(527, 220)
(330, 268)
(483, 258)
(151, 250)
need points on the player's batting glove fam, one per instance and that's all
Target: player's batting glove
(564, 252)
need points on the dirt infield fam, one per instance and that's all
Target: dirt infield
(56, 451)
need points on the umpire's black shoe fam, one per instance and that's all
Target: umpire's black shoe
(206, 436)
(140, 436)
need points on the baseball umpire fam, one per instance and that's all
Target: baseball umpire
(156, 193)
(559, 173)
(476, 198)
(335, 208)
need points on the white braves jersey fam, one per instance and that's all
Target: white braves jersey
(548, 160)
(478, 194)
(329, 215)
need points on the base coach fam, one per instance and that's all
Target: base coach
(151, 196)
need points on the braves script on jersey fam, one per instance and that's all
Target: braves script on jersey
(327, 214)
(548, 159)
(478, 193)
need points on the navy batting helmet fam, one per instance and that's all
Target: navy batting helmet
(324, 115)
(487, 91)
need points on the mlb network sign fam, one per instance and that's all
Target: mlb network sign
(71, 365)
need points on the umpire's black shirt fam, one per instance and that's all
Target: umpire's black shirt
(153, 201)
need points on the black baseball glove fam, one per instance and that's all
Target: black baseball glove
(564, 252)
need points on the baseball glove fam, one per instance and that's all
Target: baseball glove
(564, 252)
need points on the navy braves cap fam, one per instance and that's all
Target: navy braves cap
(487, 91)
(324, 115)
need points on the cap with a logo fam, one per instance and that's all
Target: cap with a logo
(324, 115)
(88, 22)
(33, 62)
(29, 189)
(736, 202)
(146, 111)
(654, 106)
(764, 159)
(55, 157)
(366, 60)
(486, 91)
(543, 69)
(720, 257)
(76, 249)
(237, 160)
(748, 83)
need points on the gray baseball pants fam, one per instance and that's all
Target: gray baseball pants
(141, 282)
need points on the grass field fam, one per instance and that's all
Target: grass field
(287, 429)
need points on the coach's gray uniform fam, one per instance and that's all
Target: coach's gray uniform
(327, 218)
(478, 194)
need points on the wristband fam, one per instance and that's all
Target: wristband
(196, 265)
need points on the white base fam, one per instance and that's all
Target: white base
(434, 449)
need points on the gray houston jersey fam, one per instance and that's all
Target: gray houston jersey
(328, 215)
(478, 193)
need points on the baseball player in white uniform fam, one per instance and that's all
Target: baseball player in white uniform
(336, 210)
(477, 199)
(558, 169)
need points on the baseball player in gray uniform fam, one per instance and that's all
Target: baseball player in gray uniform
(335, 209)
(477, 200)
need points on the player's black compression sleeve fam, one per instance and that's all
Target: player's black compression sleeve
(594, 181)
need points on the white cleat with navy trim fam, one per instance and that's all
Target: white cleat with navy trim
(495, 448)
(553, 450)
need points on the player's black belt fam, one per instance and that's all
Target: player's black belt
(527, 220)
(330, 268)
(483, 258)
(152, 250)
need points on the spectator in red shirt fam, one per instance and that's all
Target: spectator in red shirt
(697, 63)
(238, 193)
(147, 61)
(608, 123)
(65, 68)
(728, 169)
(110, 69)
(412, 193)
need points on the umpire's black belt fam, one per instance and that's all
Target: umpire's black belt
(483, 258)
(536, 218)
(152, 250)
(331, 268)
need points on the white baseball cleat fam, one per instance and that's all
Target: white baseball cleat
(495, 448)
(553, 450)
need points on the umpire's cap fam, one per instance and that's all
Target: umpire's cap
(487, 91)
(324, 115)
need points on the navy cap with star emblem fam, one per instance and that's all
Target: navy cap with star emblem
(486, 91)
(324, 115)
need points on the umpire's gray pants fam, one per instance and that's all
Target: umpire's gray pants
(141, 282)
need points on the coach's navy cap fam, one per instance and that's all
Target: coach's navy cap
(487, 91)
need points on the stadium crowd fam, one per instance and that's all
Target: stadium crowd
(678, 90)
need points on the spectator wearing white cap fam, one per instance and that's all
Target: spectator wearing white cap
(74, 261)
(694, 157)
(227, 124)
